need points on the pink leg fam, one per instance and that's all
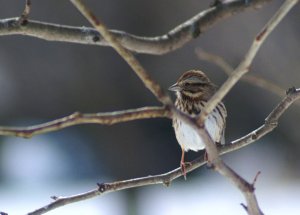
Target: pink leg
(182, 164)
(205, 156)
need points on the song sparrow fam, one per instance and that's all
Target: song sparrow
(193, 90)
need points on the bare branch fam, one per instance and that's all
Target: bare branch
(215, 59)
(256, 177)
(81, 118)
(23, 19)
(166, 178)
(217, 164)
(270, 122)
(249, 78)
(244, 66)
(165, 43)
(272, 119)
(213, 155)
(246, 188)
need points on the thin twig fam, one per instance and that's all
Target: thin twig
(256, 177)
(215, 59)
(85, 118)
(23, 19)
(249, 78)
(270, 122)
(244, 66)
(166, 178)
(163, 44)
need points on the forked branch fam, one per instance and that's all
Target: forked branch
(169, 111)
(23, 19)
(163, 44)
(249, 78)
(244, 66)
(213, 155)
(166, 178)
(252, 79)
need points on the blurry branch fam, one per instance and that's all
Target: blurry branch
(166, 178)
(165, 43)
(85, 118)
(249, 78)
(244, 66)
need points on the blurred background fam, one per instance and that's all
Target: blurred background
(42, 81)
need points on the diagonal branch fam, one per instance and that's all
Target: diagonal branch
(169, 111)
(255, 80)
(244, 66)
(271, 122)
(87, 118)
(163, 44)
(214, 159)
(166, 178)
(249, 78)
(213, 155)
(23, 19)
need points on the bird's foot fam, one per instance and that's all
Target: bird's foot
(183, 168)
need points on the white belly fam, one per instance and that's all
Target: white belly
(189, 139)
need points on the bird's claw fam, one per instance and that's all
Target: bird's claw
(183, 168)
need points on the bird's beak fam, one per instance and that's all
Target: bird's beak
(174, 87)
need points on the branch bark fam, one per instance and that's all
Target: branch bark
(244, 66)
(157, 45)
(166, 178)
(86, 118)
(213, 154)
(23, 19)
(210, 147)
(249, 78)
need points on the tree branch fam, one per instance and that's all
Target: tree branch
(166, 178)
(249, 78)
(86, 118)
(213, 155)
(163, 44)
(270, 122)
(23, 19)
(244, 66)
